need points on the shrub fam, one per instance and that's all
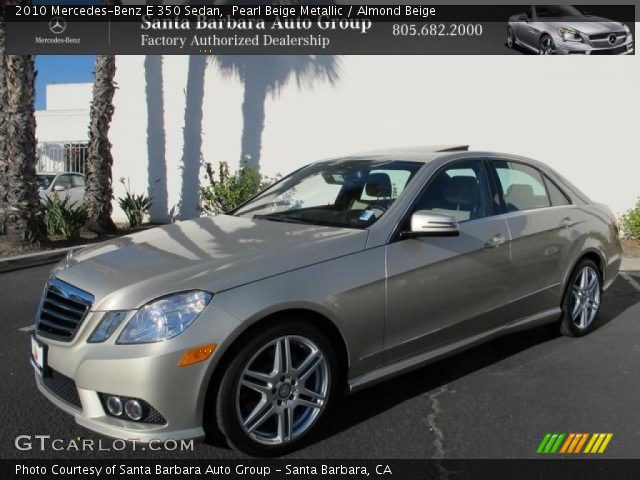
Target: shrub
(630, 223)
(63, 218)
(230, 190)
(134, 206)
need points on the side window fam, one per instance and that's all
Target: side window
(462, 190)
(78, 181)
(557, 196)
(63, 181)
(522, 186)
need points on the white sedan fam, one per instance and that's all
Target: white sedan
(63, 184)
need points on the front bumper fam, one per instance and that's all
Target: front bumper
(148, 372)
(574, 48)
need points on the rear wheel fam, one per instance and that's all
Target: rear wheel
(276, 389)
(511, 41)
(581, 303)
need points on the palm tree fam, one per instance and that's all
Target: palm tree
(3, 126)
(265, 75)
(99, 185)
(23, 214)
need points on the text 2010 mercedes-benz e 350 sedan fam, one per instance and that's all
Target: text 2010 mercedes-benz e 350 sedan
(345, 273)
(563, 29)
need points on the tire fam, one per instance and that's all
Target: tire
(265, 409)
(582, 300)
(546, 46)
(511, 41)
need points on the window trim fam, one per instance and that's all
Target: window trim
(546, 179)
(397, 230)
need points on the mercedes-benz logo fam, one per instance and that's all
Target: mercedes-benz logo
(613, 39)
(57, 25)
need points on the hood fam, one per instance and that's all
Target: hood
(209, 253)
(589, 25)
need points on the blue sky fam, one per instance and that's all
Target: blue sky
(62, 68)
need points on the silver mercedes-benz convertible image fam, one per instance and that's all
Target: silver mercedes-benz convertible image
(563, 29)
(345, 273)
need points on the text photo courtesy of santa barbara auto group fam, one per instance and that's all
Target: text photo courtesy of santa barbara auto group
(323, 239)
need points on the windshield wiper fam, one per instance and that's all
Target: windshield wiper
(279, 217)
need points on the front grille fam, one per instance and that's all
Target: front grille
(63, 387)
(62, 309)
(605, 36)
(610, 51)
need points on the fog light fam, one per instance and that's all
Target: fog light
(133, 409)
(114, 405)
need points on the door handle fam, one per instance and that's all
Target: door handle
(566, 222)
(495, 241)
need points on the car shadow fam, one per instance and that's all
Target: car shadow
(351, 410)
(361, 406)
(520, 49)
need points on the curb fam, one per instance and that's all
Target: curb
(630, 264)
(35, 259)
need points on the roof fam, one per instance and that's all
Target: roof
(416, 154)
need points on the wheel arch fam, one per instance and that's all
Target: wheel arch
(320, 321)
(591, 254)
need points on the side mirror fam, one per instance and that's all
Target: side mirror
(59, 188)
(522, 18)
(426, 223)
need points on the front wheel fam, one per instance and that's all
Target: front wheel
(276, 389)
(547, 46)
(581, 303)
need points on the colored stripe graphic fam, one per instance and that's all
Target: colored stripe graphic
(543, 443)
(581, 443)
(573, 443)
(557, 444)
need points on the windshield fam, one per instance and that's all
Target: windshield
(550, 11)
(348, 193)
(44, 181)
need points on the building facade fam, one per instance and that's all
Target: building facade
(175, 113)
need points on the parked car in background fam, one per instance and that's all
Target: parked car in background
(63, 184)
(343, 274)
(564, 29)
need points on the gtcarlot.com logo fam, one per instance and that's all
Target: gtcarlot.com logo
(48, 443)
(573, 443)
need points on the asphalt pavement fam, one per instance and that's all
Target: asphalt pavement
(494, 401)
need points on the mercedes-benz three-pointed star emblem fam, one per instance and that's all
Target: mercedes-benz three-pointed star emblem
(57, 25)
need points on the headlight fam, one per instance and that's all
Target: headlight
(626, 28)
(109, 323)
(569, 35)
(165, 317)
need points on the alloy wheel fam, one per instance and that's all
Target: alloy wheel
(585, 297)
(547, 47)
(510, 40)
(282, 390)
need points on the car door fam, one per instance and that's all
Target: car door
(440, 289)
(77, 189)
(525, 29)
(541, 219)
